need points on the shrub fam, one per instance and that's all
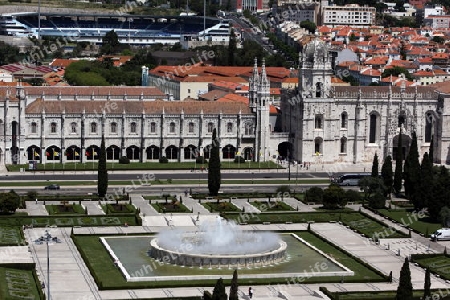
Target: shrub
(239, 159)
(314, 194)
(163, 160)
(124, 160)
(201, 160)
(377, 201)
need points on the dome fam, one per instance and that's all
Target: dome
(315, 48)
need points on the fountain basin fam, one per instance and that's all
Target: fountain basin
(214, 260)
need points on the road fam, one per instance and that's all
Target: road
(249, 35)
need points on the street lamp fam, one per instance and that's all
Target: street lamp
(47, 238)
(132, 152)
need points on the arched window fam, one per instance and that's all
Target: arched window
(210, 127)
(53, 127)
(402, 120)
(428, 127)
(248, 129)
(33, 127)
(318, 89)
(73, 127)
(229, 127)
(152, 127)
(133, 127)
(318, 122)
(373, 128)
(172, 127)
(93, 127)
(318, 145)
(344, 120)
(343, 145)
(113, 127)
(191, 127)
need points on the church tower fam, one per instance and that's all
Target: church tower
(315, 70)
(259, 102)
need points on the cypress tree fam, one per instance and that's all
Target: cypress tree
(398, 165)
(425, 191)
(431, 152)
(234, 287)
(232, 47)
(375, 166)
(214, 177)
(405, 289)
(386, 174)
(427, 285)
(219, 291)
(102, 172)
(412, 173)
(441, 193)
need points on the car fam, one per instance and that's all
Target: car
(52, 187)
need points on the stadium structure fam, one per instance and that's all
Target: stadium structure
(131, 29)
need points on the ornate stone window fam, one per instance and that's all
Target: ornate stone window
(172, 127)
(53, 126)
(343, 145)
(210, 127)
(344, 120)
(153, 127)
(33, 127)
(373, 127)
(93, 127)
(318, 122)
(248, 130)
(428, 127)
(229, 127)
(133, 127)
(191, 127)
(73, 127)
(113, 127)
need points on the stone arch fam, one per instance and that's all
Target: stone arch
(92, 152)
(153, 152)
(318, 146)
(285, 150)
(406, 141)
(53, 153)
(190, 152)
(207, 152)
(172, 152)
(73, 153)
(248, 153)
(228, 152)
(34, 152)
(113, 152)
(374, 127)
(133, 152)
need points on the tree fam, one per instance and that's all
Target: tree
(375, 166)
(445, 216)
(352, 196)
(102, 174)
(234, 287)
(431, 151)
(412, 174)
(398, 166)
(396, 71)
(219, 291)
(441, 194)
(405, 289)
(110, 43)
(214, 177)
(427, 285)
(9, 202)
(314, 194)
(425, 190)
(386, 174)
(377, 200)
(334, 197)
(232, 47)
(308, 25)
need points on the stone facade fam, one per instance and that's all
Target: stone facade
(349, 124)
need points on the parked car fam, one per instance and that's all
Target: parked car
(52, 187)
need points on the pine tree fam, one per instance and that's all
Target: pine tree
(398, 165)
(405, 289)
(386, 174)
(214, 177)
(231, 48)
(219, 291)
(102, 173)
(234, 287)
(412, 174)
(375, 166)
(427, 285)
(425, 191)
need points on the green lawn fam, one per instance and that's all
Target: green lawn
(65, 209)
(271, 206)
(120, 208)
(81, 220)
(16, 284)
(406, 217)
(222, 206)
(11, 236)
(383, 295)
(89, 166)
(108, 276)
(170, 207)
(439, 264)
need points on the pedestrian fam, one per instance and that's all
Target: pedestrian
(36, 201)
(250, 292)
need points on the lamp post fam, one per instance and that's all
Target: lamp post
(53, 152)
(47, 238)
(132, 153)
(229, 158)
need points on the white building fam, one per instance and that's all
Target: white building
(351, 14)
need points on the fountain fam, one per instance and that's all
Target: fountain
(218, 244)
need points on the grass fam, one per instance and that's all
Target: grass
(382, 295)
(11, 236)
(17, 284)
(170, 207)
(355, 220)
(271, 206)
(119, 208)
(408, 218)
(65, 209)
(438, 264)
(222, 206)
(89, 166)
(107, 276)
(62, 221)
(150, 198)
